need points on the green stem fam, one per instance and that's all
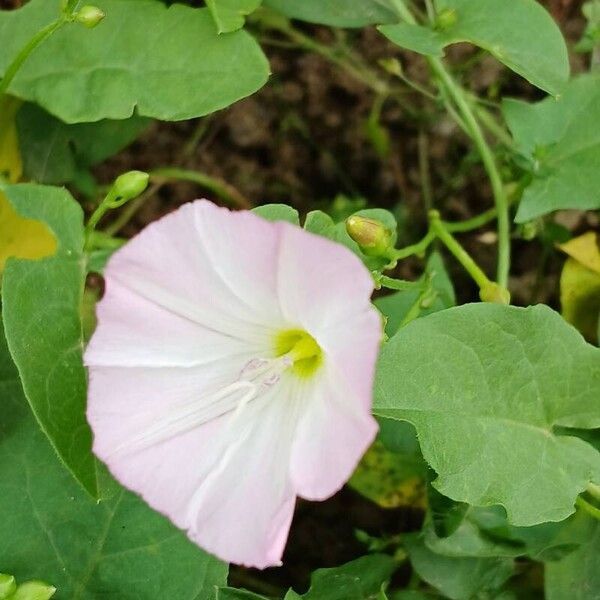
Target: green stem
(397, 284)
(222, 189)
(419, 248)
(100, 211)
(99, 239)
(23, 55)
(458, 96)
(491, 124)
(463, 257)
(306, 42)
(489, 163)
(594, 491)
(589, 508)
(474, 223)
(130, 209)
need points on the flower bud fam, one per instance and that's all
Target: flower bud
(129, 186)
(446, 19)
(495, 293)
(392, 65)
(8, 586)
(372, 236)
(89, 16)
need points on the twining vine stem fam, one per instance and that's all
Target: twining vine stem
(23, 55)
(468, 116)
(67, 15)
(464, 258)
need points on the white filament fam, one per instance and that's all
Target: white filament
(256, 376)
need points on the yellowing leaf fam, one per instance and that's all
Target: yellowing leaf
(580, 284)
(20, 237)
(584, 249)
(11, 167)
(390, 480)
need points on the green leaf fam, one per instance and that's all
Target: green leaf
(117, 548)
(457, 578)
(41, 301)
(227, 593)
(396, 307)
(55, 152)
(485, 385)
(337, 13)
(485, 533)
(230, 15)
(502, 28)
(322, 224)
(415, 37)
(278, 212)
(577, 577)
(561, 140)
(360, 579)
(168, 63)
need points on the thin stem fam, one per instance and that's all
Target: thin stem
(463, 257)
(416, 86)
(490, 123)
(474, 223)
(397, 284)
(594, 490)
(97, 215)
(219, 187)
(464, 107)
(489, 163)
(130, 209)
(589, 508)
(304, 41)
(29, 47)
(419, 248)
(99, 239)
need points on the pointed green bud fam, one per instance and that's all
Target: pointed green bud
(392, 65)
(89, 16)
(446, 19)
(373, 238)
(8, 585)
(494, 293)
(128, 186)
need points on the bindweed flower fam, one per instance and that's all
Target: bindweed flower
(230, 372)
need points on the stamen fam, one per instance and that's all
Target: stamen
(257, 376)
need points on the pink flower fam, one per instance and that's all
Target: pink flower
(231, 371)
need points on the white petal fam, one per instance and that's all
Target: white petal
(320, 282)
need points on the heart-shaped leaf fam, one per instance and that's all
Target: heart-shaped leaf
(485, 386)
(561, 140)
(168, 63)
(40, 302)
(502, 28)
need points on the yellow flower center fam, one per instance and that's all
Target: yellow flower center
(302, 348)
